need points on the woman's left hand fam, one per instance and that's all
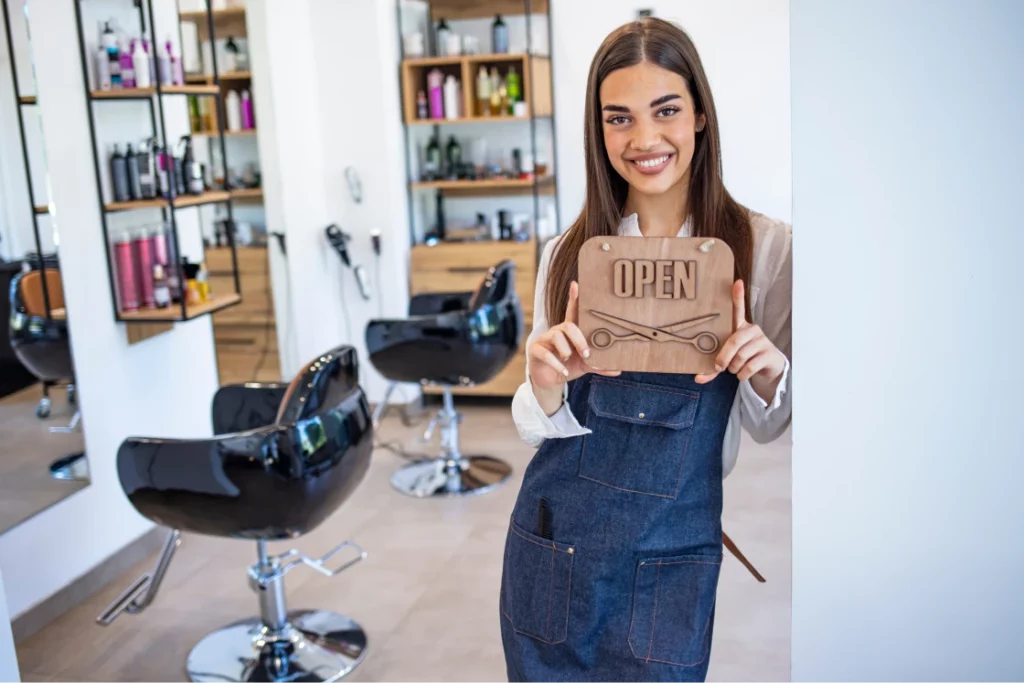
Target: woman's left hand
(748, 353)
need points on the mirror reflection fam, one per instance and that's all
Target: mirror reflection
(42, 453)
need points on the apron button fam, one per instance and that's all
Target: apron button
(571, 551)
(641, 416)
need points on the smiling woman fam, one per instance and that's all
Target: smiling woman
(633, 597)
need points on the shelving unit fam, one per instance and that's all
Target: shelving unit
(37, 210)
(171, 201)
(440, 264)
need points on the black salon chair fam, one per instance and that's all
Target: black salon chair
(39, 341)
(450, 340)
(284, 459)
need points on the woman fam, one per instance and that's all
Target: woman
(615, 543)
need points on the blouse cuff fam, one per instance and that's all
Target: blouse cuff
(534, 424)
(780, 390)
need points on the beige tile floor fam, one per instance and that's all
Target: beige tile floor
(427, 594)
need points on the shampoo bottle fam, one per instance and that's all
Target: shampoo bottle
(164, 66)
(247, 118)
(161, 291)
(451, 98)
(113, 59)
(434, 81)
(483, 93)
(141, 66)
(142, 245)
(233, 107)
(134, 180)
(499, 35)
(127, 288)
(177, 70)
(102, 69)
(127, 67)
(119, 176)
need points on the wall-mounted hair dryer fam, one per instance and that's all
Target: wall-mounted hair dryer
(339, 239)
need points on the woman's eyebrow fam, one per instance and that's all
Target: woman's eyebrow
(663, 99)
(616, 107)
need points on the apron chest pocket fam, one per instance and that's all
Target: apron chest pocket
(639, 435)
(673, 601)
(536, 582)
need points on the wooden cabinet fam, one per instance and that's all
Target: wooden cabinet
(460, 267)
(245, 335)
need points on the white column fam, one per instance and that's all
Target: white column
(907, 448)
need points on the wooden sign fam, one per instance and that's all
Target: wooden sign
(655, 304)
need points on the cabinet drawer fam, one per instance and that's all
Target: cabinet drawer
(250, 260)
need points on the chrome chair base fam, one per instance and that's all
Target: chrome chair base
(438, 477)
(314, 645)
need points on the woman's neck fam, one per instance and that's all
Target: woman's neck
(659, 215)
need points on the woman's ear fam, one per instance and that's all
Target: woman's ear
(701, 120)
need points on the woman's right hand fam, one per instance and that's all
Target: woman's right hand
(559, 355)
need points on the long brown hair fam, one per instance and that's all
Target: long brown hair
(715, 213)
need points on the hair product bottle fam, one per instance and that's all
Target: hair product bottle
(499, 36)
(451, 97)
(247, 118)
(161, 292)
(421, 106)
(124, 264)
(142, 245)
(434, 82)
(177, 70)
(441, 38)
(134, 181)
(145, 162)
(432, 161)
(141, 65)
(119, 176)
(164, 65)
(514, 87)
(109, 41)
(453, 155)
(127, 68)
(483, 93)
(233, 109)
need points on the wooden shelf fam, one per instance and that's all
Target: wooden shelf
(486, 187)
(198, 78)
(190, 90)
(41, 210)
(123, 94)
(236, 76)
(226, 22)
(468, 119)
(173, 312)
(181, 201)
(247, 193)
(228, 133)
(200, 15)
(27, 99)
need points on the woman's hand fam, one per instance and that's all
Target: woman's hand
(748, 353)
(559, 355)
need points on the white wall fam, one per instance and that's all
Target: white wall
(744, 45)
(315, 123)
(8, 656)
(160, 387)
(907, 456)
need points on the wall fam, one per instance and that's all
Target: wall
(316, 123)
(907, 512)
(161, 387)
(744, 45)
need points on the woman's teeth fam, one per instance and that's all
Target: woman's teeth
(652, 163)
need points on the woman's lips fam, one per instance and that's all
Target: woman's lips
(651, 165)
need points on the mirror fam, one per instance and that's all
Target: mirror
(42, 453)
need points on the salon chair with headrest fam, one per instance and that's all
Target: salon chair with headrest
(450, 340)
(285, 457)
(40, 341)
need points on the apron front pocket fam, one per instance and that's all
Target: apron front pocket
(536, 583)
(673, 601)
(639, 435)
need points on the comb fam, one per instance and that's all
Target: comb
(544, 519)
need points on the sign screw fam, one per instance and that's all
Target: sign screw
(706, 246)
(605, 247)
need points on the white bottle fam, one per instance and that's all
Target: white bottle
(451, 97)
(164, 66)
(233, 107)
(102, 69)
(143, 69)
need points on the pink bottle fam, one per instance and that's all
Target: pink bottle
(127, 67)
(435, 82)
(247, 122)
(177, 71)
(143, 247)
(124, 263)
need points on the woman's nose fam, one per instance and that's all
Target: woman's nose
(645, 137)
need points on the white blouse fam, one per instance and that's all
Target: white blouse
(771, 297)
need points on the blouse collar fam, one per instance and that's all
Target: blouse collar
(630, 227)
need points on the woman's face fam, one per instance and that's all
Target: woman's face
(649, 126)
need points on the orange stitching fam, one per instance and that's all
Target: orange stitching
(632, 615)
(649, 387)
(551, 593)
(542, 545)
(530, 635)
(691, 414)
(654, 617)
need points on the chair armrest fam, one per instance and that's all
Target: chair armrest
(443, 302)
(240, 407)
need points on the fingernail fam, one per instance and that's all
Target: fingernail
(565, 372)
(586, 353)
(718, 367)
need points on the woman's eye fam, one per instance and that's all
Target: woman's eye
(668, 111)
(617, 120)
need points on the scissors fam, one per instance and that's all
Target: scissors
(704, 342)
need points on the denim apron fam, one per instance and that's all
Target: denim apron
(613, 576)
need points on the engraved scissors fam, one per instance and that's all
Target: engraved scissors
(705, 342)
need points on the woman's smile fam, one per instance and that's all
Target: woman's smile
(652, 164)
